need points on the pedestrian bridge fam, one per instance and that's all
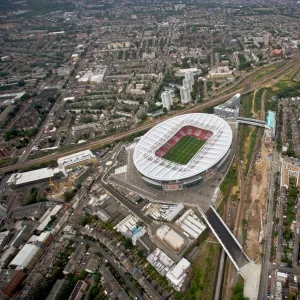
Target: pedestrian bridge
(253, 122)
(228, 241)
(249, 270)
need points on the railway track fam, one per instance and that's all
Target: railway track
(294, 62)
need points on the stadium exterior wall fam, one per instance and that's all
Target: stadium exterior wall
(189, 182)
(214, 154)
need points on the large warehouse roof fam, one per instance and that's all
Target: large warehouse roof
(23, 258)
(212, 152)
(32, 176)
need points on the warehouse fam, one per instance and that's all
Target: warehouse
(26, 258)
(77, 159)
(175, 212)
(20, 179)
(160, 261)
(171, 237)
(178, 273)
(47, 217)
(190, 224)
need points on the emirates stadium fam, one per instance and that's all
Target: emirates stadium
(183, 151)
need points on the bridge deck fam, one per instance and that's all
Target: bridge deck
(229, 243)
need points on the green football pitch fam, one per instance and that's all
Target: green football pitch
(184, 150)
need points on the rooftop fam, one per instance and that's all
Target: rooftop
(75, 158)
(32, 176)
(158, 168)
(23, 258)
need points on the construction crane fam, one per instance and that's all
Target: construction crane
(51, 184)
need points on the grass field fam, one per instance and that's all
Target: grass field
(184, 150)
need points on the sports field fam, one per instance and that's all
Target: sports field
(184, 150)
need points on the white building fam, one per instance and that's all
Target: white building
(76, 159)
(190, 224)
(167, 99)
(19, 179)
(185, 94)
(189, 76)
(26, 258)
(171, 237)
(46, 218)
(175, 212)
(178, 273)
(230, 108)
(266, 38)
(160, 261)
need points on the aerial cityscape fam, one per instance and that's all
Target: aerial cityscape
(149, 150)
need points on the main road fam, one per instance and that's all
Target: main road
(287, 68)
(275, 167)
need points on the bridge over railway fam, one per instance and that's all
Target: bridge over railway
(247, 268)
(228, 241)
(253, 122)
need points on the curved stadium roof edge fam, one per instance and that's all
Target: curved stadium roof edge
(159, 169)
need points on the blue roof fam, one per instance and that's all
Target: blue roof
(271, 119)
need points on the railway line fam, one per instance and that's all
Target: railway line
(287, 68)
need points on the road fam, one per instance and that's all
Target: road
(223, 233)
(269, 226)
(35, 141)
(136, 209)
(287, 68)
(281, 268)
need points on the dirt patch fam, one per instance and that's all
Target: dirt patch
(7, 25)
(258, 205)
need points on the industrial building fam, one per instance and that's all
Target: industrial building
(10, 280)
(4, 235)
(222, 73)
(171, 237)
(160, 261)
(230, 108)
(94, 76)
(77, 159)
(191, 224)
(33, 210)
(174, 212)
(178, 273)
(127, 226)
(46, 218)
(7, 256)
(271, 120)
(27, 257)
(20, 179)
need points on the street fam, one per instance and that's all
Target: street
(275, 167)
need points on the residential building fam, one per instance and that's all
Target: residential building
(56, 289)
(78, 291)
(167, 99)
(185, 95)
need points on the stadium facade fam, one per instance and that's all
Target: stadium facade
(150, 153)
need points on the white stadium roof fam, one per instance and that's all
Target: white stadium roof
(210, 154)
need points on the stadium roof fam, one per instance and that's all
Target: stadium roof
(210, 154)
